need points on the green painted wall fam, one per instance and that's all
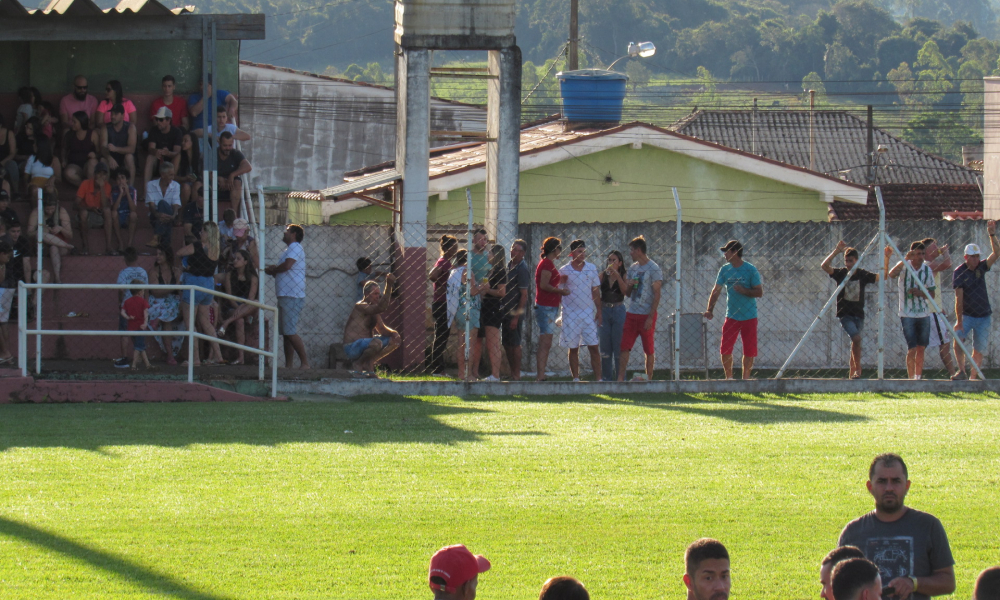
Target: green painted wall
(139, 65)
(577, 190)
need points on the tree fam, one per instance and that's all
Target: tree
(894, 50)
(840, 67)
(813, 82)
(862, 25)
(940, 132)
(638, 74)
(902, 79)
(708, 98)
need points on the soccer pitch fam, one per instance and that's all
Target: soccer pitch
(346, 500)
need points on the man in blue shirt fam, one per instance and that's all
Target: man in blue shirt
(196, 107)
(743, 286)
(972, 302)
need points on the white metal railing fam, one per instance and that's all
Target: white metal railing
(191, 334)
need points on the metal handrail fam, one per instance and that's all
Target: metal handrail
(190, 333)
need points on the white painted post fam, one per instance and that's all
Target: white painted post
(260, 284)
(274, 349)
(677, 292)
(22, 326)
(881, 286)
(468, 287)
(40, 232)
(192, 309)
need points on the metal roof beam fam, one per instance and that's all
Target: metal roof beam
(128, 27)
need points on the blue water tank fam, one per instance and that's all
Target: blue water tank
(592, 94)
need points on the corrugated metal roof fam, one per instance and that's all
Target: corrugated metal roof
(87, 8)
(839, 146)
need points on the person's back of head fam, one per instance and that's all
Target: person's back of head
(447, 242)
(454, 573)
(297, 232)
(856, 579)
(563, 588)
(837, 555)
(137, 291)
(461, 257)
(988, 585)
(363, 263)
(131, 255)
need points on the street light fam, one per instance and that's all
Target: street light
(640, 50)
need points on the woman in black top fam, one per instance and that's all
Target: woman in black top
(491, 317)
(79, 151)
(202, 262)
(241, 281)
(612, 315)
(189, 173)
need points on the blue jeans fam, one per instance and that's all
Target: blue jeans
(852, 325)
(159, 227)
(917, 331)
(546, 317)
(980, 328)
(612, 324)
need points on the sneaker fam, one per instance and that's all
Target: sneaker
(121, 363)
(576, 380)
(491, 379)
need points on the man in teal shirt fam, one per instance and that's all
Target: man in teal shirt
(743, 286)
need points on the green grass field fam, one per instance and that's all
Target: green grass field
(349, 499)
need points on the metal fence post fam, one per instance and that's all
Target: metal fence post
(274, 349)
(261, 334)
(881, 286)
(22, 326)
(469, 274)
(38, 293)
(677, 292)
(193, 308)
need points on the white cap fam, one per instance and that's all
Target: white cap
(972, 250)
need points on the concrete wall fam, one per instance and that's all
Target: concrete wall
(308, 130)
(632, 185)
(787, 254)
(991, 148)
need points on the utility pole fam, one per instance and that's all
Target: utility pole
(572, 62)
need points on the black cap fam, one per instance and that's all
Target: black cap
(732, 246)
(101, 168)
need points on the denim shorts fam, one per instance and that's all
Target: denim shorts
(916, 330)
(200, 298)
(355, 349)
(139, 343)
(852, 325)
(546, 316)
(980, 328)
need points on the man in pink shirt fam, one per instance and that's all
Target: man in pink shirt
(176, 104)
(78, 100)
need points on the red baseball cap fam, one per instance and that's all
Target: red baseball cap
(456, 565)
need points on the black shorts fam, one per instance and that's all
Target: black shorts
(511, 338)
(490, 316)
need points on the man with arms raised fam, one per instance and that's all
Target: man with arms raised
(835, 556)
(454, 573)
(910, 547)
(856, 579)
(706, 570)
(367, 339)
(972, 301)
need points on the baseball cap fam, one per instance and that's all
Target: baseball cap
(972, 250)
(455, 565)
(101, 168)
(732, 245)
(240, 226)
(163, 113)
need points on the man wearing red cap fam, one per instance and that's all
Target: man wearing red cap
(454, 573)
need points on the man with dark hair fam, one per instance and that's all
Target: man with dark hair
(515, 303)
(850, 300)
(118, 142)
(743, 286)
(231, 165)
(642, 288)
(290, 288)
(366, 273)
(93, 207)
(581, 309)
(563, 588)
(196, 106)
(972, 300)
(439, 301)
(914, 305)
(162, 145)
(829, 562)
(988, 585)
(939, 260)
(706, 570)
(176, 104)
(910, 547)
(454, 573)
(856, 579)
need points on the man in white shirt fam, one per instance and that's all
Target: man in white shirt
(163, 201)
(290, 287)
(914, 306)
(581, 310)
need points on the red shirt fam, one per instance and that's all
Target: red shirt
(178, 109)
(441, 283)
(90, 196)
(543, 298)
(136, 307)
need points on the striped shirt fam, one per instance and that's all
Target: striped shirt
(911, 305)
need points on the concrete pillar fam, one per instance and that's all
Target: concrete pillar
(413, 118)
(503, 124)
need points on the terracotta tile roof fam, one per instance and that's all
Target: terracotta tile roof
(913, 201)
(840, 143)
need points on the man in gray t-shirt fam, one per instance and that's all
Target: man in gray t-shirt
(642, 288)
(910, 547)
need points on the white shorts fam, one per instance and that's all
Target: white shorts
(579, 331)
(941, 330)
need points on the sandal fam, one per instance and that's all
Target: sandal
(235, 361)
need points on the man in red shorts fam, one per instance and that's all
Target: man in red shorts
(642, 283)
(743, 286)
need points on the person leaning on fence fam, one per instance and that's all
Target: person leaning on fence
(914, 307)
(939, 260)
(612, 315)
(515, 303)
(581, 310)
(290, 287)
(642, 287)
(548, 295)
(491, 320)
(367, 339)
(743, 286)
(972, 300)
(850, 300)
(464, 307)
(439, 304)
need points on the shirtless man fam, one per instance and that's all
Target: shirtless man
(367, 339)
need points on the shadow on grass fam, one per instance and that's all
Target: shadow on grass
(157, 583)
(97, 427)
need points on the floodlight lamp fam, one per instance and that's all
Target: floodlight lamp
(646, 49)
